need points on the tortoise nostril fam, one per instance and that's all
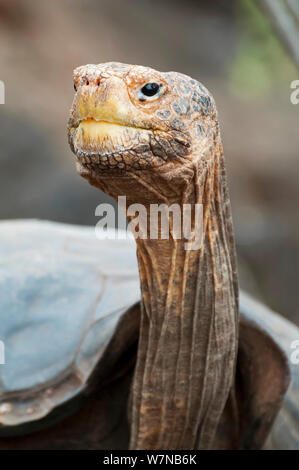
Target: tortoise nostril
(98, 82)
(87, 82)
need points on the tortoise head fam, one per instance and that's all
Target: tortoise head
(129, 120)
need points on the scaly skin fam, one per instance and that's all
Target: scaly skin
(167, 150)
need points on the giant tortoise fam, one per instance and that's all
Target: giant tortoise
(92, 362)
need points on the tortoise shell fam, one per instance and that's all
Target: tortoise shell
(63, 293)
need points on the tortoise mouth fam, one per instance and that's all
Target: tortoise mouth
(102, 145)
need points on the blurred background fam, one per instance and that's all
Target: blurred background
(228, 45)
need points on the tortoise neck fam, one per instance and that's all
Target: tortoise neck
(188, 337)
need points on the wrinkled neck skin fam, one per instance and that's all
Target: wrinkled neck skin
(188, 336)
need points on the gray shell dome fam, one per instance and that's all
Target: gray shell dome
(62, 293)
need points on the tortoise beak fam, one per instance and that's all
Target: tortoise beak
(108, 102)
(101, 119)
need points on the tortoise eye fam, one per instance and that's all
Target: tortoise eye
(149, 90)
(75, 88)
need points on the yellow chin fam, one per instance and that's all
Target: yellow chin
(107, 137)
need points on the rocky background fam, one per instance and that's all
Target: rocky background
(229, 46)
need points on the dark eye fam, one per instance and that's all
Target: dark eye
(149, 90)
(75, 88)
